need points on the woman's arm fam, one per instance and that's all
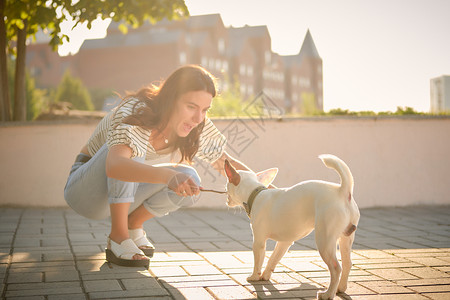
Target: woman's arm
(119, 165)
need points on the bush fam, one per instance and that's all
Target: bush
(98, 96)
(72, 90)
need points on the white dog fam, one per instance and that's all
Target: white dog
(288, 214)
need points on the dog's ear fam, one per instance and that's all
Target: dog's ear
(267, 176)
(232, 174)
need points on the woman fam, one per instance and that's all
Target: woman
(110, 176)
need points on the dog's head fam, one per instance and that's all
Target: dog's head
(242, 183)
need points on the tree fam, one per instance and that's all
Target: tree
(36, 99)
(21, 19)
(72, 90)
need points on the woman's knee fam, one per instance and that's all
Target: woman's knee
(189, 171)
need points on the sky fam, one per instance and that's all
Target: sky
(377, 55)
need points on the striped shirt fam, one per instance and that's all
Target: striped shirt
(112, 131)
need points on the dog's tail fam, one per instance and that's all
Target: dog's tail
(337, 164)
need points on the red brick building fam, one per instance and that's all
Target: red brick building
(151, 52)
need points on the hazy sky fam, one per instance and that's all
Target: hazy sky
(377, 54)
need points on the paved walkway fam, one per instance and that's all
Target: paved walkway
(399, 253)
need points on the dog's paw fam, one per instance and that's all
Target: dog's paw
(266, 276)
(254, 277)
(324, 296)
(342, 288)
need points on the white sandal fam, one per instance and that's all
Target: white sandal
(122, 254)
(139, 237)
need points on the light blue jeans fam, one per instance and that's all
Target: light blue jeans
(89, 191)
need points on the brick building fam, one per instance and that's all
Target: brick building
(151, 52)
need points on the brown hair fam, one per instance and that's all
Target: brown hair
(160, 103)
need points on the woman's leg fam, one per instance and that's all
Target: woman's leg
(137, 217)
(86, 190)
(119, 224)
(157, 200)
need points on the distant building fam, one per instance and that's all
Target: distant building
(440, 94)
(304, 79)
(151, 52)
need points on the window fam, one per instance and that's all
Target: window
(221, 46)
(183, 58)
(218, 64)
(242, 70)
(249, 71)
(268, 57)
(204, 61)
(243, 89)
(304, 82)
(250, 90)
(225, 66)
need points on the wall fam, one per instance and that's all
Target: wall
(395, 161)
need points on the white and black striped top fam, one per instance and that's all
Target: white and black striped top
(112, 131)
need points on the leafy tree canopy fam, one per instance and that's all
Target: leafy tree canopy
(21, 19)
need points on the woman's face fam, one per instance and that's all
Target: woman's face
(190, 110)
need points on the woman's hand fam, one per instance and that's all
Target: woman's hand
(183, 185)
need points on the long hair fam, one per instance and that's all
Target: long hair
(160, 102)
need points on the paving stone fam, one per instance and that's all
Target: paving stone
(392, 274)
(206, 254)
(190, 293)
(205, 269)
(117, 275)
(390, 297)
(141, 283)
(27, 277)
(426, 272)
(430, 261)
(168, 271)
(28, 298)
(55, 276)
(129, 294)
(437, 296)
(101, 285)
(230, 292)
(39, 289)
(80, 296)
(26, 257)
(385, 287)
(431, 288)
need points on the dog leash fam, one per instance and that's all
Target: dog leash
(212, 191)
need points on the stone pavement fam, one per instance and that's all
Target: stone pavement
(399, 253)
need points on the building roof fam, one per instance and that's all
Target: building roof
(251, 31)
(134, 39)
(203, 21)
(308, 48)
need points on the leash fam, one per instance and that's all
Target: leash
(212, 191)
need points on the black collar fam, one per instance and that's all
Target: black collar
(248, 205)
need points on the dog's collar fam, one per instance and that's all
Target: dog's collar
(248, 205)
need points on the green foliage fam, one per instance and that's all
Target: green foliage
(308, 105)
(229, 103)
(37, 14)
(133, 13)
(401, 111)
(98, 96)
(25, 18)
(37, 99)
(48, 14)
(72, 90)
